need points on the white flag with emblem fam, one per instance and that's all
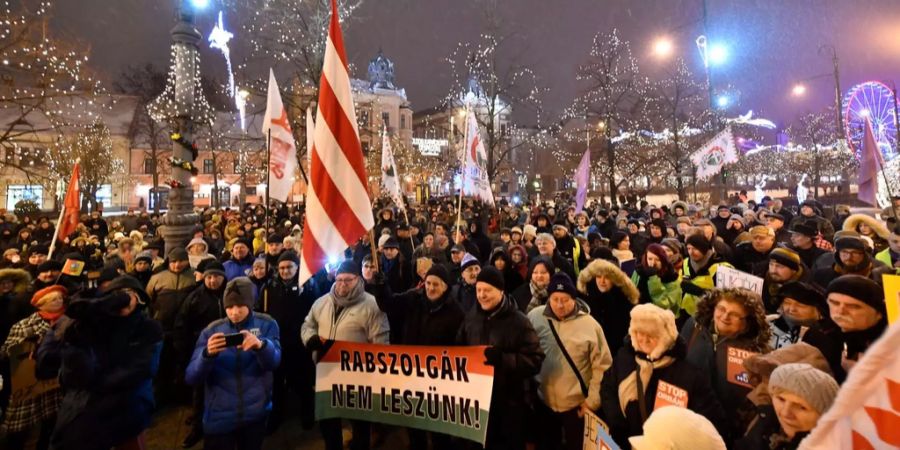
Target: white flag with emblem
(282, 149)
(719, 151)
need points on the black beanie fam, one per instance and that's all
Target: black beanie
(808, 294)
(560, 282)
(860, 288)
(48, 265)
(699, 242)
(491, 276)
(349, 266)
(439, 271)
(289, 255)
(239, 291)
(246, 241)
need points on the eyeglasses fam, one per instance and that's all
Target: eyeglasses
(721, 310)
(344, 280)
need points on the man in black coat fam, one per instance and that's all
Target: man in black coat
(803, 241)
(514, 351)
(284, 300)
(753, 256)
(429, 317)
(202, 306)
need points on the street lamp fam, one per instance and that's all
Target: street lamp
(199, 4)
(723, 101)
(663, 47)
(799, 90)
(718, 54)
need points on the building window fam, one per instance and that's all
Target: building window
(8, 153)
(402, 121)
(386, 119)
(31, 157)
(16, 193)
(149, 164)
(365, 147)
(363, 118)
(207, 166)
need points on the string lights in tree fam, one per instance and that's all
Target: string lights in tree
(183, 96)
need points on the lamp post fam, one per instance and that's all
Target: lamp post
(182, 105)
(836, 73)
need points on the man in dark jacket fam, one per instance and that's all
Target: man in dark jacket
(237, 380)
(97, 226)
(752, 257)
(200, 308)
(811, 210)
(396, 268)
(284, 300)
(241, 262)
(429, 317)
(513, 349)
(105, 352)
(274, 247)
(803, 241)
(850, 257)
(569, 247)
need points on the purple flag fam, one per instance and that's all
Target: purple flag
(869, 165)
(582, 180)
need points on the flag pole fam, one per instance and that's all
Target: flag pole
(267, 204)
(62, 211)
(462, 178)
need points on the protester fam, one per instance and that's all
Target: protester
(105, 352)
(346, 313)
(576, 356)
(785, 266)
(857, 308)
(237, 379)
(532, 294)
(657, 280)
(241, 262)
(513, 350)
(610, 295)
(699, 270)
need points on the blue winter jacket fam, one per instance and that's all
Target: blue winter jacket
(235, 268)
(238, 383)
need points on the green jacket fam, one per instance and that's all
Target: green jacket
(665, 295)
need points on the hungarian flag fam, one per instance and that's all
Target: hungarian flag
(866, 413)
(71, 206)
(870, 164)
(282, 148)
(338, 211)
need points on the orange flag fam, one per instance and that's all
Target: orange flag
(72, 205)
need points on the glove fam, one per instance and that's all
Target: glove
(691, 288)
(493, 356)
(314, 344)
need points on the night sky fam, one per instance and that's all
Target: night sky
(773, 43)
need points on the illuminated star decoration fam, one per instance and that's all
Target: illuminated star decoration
(218, 39)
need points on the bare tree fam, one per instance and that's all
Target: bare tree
(613, 94)
(92, 147)
(816, 131)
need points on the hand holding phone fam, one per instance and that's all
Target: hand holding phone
(234, 339)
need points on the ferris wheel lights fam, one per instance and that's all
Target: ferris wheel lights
(864, 113)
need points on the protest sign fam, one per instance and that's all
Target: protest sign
(736, 372)
(670, 395)
(726, 277)
(441, 389)
(892, 296)
(596, 434)
(24, 384)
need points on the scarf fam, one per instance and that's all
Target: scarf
(697, 265)
(645, 367)
(353, 297)
(51, 317)
(538, 297)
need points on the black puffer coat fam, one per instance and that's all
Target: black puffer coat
(199, 309)
(423, 322)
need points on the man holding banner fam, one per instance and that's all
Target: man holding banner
(349, 314)
(515, 353)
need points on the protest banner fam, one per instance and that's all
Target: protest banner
(441, 389)
(24, 384)
(726, 277)
(891, 296)
(596, 434)
(736, 373)
(670, 395)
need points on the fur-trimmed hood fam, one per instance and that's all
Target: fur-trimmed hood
(758, 329)
(854, 220)
(20, 278)
(611, 271)
(679, 203)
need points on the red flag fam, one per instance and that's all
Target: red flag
(338, 211)
(72, 205)
(870, 164)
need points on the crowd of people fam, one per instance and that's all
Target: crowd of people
(613, 311)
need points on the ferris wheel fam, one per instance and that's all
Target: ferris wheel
(875, 101)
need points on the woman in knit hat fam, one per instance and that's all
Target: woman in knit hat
(673, 428)
(567, 390)
(800, 395)
(657, 281)
(33, 413)
(649, 372)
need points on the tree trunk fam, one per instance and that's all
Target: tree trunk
(154, 193)
(611, 163)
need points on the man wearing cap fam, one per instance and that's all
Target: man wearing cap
(850, 257)
(463, 292)
(811, 210)
(167, 291)
(776, 223)
(47, 274)
(37, 254)
(514, 351)
(284, 300)
(346, 313)
(569, 247)
(241, 262)
(752, 257)
(142, 269)
(784, 266)
(698, 270)
(274, 247)
(723, 215)
(802, 306)
(856, 306)
(429, 317)
(237, 380)
(803, 241)
(201, 307)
